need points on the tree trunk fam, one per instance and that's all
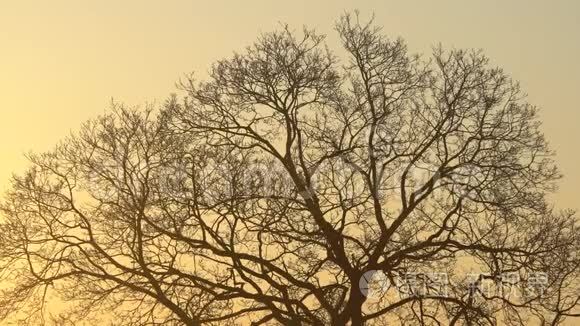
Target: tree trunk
(353, 310)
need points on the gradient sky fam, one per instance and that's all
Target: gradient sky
(61, 62)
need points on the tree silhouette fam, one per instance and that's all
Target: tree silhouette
(277, 190)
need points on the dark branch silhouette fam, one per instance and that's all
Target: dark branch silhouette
(272, 191)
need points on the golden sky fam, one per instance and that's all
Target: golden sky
(61, 62)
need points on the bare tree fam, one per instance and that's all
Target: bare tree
(273, 191)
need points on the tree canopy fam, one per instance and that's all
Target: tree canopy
(273, 191)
